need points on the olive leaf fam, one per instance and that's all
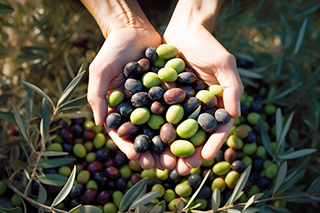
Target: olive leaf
(265, 137)
(144, 199)
(216, 199)
(68, 90)
(10, 210)
(314, 187)
(7, 116)
(89, 208)
(5, 9)
(42, 194)
(297, 154)
(75, 209)
(239, 186)
(68, 65)
(45, 115)
(66, 189)
(284, 132)
(280, 177)
(38, 24)
(301, 36)
(43, 135)
(278, 124)
(74, 103)
(252, 199)
(132, 194)
(53, 154)
(19, 121)
(53, 163)
(161, 204)
(197, 191)
(53, 179)
(249, 74)
(251, 210)
(39, 91)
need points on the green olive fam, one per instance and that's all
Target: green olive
(221, 168)
(216, 90)
(174, 114)
(182, 148)
(83, 176)
(159, 188)
(90, 157)
(271, 171)
(140, 116)
(117, 197)
(199, 138)
(167, 74)
(16, 200)
(159, 62)
(65, 171)
(167, 51)
(155, 121)
(261, 152)
(183, 190)
(79, 150)
(270, 109)
(54, 147)
(125, 171)
(162, 174)
(99, 140)
(247, 161)
(110, 208)
(207, 163)
(241, 131)
(176, 63)
(169, 195)
(150, 79)
(3, 187)
(249, 148)
(187, 128)
(115, 97)
(253, 118)
(234, 142)
(92, 184)
(253, 190)
(231, 179)
(218, 183)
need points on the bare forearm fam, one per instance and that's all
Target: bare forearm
(197, 12)
(115, 14)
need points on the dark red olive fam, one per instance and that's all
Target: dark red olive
(88, 134)
(127, 130)
(89, 195)
(135, 178)
(112, 172)
(94, 166)
(103, 197)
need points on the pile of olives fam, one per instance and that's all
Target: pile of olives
(165, 103)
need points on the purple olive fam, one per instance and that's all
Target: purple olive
(103, 197)
(94, 166)
(89, 195)
(112, 172)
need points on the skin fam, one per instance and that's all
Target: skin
(128, 33)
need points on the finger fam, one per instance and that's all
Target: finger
(146, 160)
(216, 140)
(157, 163)
(229, 79)
(167, 159)
(182, 168)
(196, 159)
(126, 146)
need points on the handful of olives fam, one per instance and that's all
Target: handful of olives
(164, 103)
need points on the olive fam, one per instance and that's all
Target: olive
(231, 179)
(92, 184)
(151, 53)
(76, 190)
(162, 174)
(194, 180)
(190, 105)
(253, 190)
(238, 166)
(140, 116)
(100, 177)
(186, 78)
(253, 178)
(247, 160)
(133, 85)
(251, 137)
(219, 156)
(199, 138)
(102, 154)
(54, 147)
(158, 107)
(125, 108)
(218, 183)
(183, 190)
(182, 148)
(119, 159)
(77, 130)
(199, 84)
(207, 99)
(74, 202)
(249, 148)
(117, 197)
(157, 145)
(216, 90)
(187, 128)
(205, 192)
(168, 133)
(88, 134)
(264, 182)
(66, 134)
(156, 93)
(135, 178)
(150, 79)
(159, 188)
(244, 109)
(148, 131)
(211, 174)
(270, 109)
(121, 183)
(189, 90)
(144, 64)
(15, 200)
(115, 97)
(174, 96)
(3, 187)
(114, 120)
(207, 163)
(167, 51)
(151, 174)
(173, 204)
(203, 203)
(167, 74)
(131, 69)
(158, 63)
(241, 131)
(169, 195)
(140, 99)
(174, 175)
(141, 143)
(54, 189)
(256, 106)
(79, 150)
(125, 171)
(99, 140)
(271, 170)
(253, 118)
(89, 195)
(222, 116)
(221, 168)
(207, 122)
(234, 142)
(112, 172)
(257, 164)
(174, 114)
(94, 166)
(127, 130)
(168, 85)
(103, 197)
(155, 121)
(230, 155)
(175, 63)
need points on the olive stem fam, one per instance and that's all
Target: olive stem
(9, 184)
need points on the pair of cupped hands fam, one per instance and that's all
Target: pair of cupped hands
(201, 52)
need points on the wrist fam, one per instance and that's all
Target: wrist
(117, 14)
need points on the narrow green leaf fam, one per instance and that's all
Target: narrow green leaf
(232, 211)
(244, 56)
(39, 91)
(53, 154)
(251, 210)
(301, 36)
(42, 194)
(292, 179)
(156, 209)
(252, 199)
(69, 68)
(37, 23)
(144, 199)
(284, 133)
(311, 9)
(53, 179)
(89, 209)
(75, 209)
(83, 67)
(297, 154)
(68, 90)
(53, 163)
(20, 124)
(45, 114)
(195, 206)
(189, 211)
(198, 190)
(74, 103)
(141, 209)
(161, 204)
(10, 210)
(288, 91)
(265, 137)
(280, 177)
(249, 74)
(316, 198)
(314, 187)
(7, 116)
(216, 199)
(278, 209)
(43, 136)
(16, 164)
(239, 186)
(66, 189)
(77, 114)
(278, 124)
(132, 194)
(5, 9)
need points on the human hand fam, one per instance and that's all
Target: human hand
(215, 65)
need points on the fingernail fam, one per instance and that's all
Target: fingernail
(95, 117)
(238, 109)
